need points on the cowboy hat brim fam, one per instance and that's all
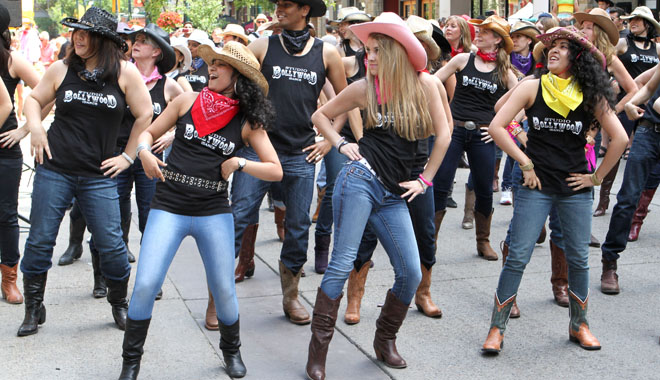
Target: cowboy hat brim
(646, 17)
(440, 39)
(497, 28)
(187, 56)
(603, 22)
(167, 63)
(528, 31)
(100, 30)
(209, 53)
(572, 34)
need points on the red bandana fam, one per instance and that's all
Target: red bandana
(212, 111)
(454, 52)
(487, 57)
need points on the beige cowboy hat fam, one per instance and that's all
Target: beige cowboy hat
(526, 28)
(498, 25)
(236, 31)
(237, 56)
(261, 16)
(601, 18)
(538, 52)
(270, 25)
(423, 30)
(646, 14)
(187, 57)
(351, 14)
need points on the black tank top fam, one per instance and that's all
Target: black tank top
(158, 102)
(295, 84)
(200, 157)
(348, 50)
(556, 145)
(361, 73)
(11, 123)
(84, 132)
(476, 94)
(637, 60)
(391, 156)
(199, 78)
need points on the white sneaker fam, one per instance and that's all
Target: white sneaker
(505, 198)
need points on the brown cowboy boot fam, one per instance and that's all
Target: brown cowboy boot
(498, 321)
(211, 319)
(640, 213)
(437, 222)
(293, 309)
(388, 323)
(245, 266)
(609, 280)
(355, 291)
(423, 299)
(10, 291)
(280, 213)
(504, 248)
(604, 194)
(323, 327)
(559, 277)
(468, 209)
(578, 328)
(482, 231)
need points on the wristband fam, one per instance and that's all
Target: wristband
(424, 186)
(512, 126)
(595, 180)
(527, 167)
(339, 142)
(140, 148)
(128, 158)
(341, 145)
(427, 183)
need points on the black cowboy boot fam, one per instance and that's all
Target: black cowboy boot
(125, 229)
(35, 311)
(100, 289)
(134, 337)
(230, 342)
(76, 235)
(117, 291)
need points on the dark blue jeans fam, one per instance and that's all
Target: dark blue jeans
(654, 178)
(52, 193)
(333, 163)
(481, 157)
(144, 191)
(297, 190)
(11, 169)
(644, 157)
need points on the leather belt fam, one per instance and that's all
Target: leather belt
(469, 125)
(364, 162)
(649, 125)
(189, 180)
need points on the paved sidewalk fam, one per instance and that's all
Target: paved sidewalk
(79, 339)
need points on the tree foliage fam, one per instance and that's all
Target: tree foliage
(203, 14)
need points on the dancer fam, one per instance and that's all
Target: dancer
(560, 107)
(402, 106)
(191, 197)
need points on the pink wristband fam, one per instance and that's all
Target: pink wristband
(427, 183)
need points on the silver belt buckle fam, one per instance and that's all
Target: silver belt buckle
(470, 125)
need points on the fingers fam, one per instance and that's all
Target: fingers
(47, 148)
(315, 156)
(159, 174)
(160, 163)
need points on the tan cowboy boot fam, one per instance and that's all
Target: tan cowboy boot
(423, 299)
(293, 309)
(355, 291)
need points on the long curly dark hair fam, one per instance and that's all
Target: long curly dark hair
(254, 104)
(592, 78)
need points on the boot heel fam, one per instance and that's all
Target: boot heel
(250, 272)
(573, 339)
(419, 307)
(379, 356)
(42, 315)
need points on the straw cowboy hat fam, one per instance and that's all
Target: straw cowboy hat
(526, 28)
(97, 21)
(538, 52)
(572, 34)
(644, 13)
(498, 25)
(237, 56)
(601, 18)
(187, 56)
(162, 39)
(423, 30)
(391, 25)
(349, 14)
(236, 31)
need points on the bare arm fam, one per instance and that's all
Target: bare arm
(269, 167)
(625, 81)
(633, 111)
(454, 65)
(185, 85)
(259, 48)
(445, 103)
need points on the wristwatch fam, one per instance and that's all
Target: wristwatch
(241, 164)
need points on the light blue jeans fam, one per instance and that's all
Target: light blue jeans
(359, 197)
(532, 208)
(162, 237)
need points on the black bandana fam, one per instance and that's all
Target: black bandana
(94, 76)
(646, 39)
(295, 40)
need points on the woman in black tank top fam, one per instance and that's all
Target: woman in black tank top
(77, 156)
(13, 68)
(191, 196)
(374, 186)
(560, 107)
(482, 78)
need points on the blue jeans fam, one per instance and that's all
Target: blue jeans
(532, 208)
(333, 164)
(297, 190)
(52, 193)
(644, 156)
(213, 234)
(360, 198)
(144, 192)
(11, 169)
(481, 156)
(654, 178)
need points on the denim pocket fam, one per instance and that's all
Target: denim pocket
(358, 171)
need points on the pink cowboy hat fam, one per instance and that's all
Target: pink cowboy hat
(391, 25)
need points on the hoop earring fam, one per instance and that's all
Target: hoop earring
(235, 91)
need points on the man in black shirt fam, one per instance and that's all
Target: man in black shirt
(296, 67)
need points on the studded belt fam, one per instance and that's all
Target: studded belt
(195, 181)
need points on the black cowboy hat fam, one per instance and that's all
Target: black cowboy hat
(4, 18)
(98, 21)
(162, 39)
(317, 7)
(440, 39)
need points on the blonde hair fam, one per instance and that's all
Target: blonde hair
(466, 37)
(402, 93)
(602, 42)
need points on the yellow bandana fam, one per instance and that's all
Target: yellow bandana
(561, 95)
